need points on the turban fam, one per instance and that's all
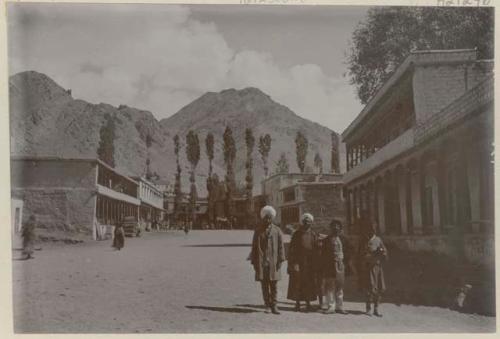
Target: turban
(307, 216)
(267, 210)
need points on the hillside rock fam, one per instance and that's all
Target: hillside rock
(46, 120)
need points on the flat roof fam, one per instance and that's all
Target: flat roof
(415, 57)
(316, 183)
(61, 159)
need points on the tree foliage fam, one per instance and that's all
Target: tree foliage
(149, 143)
(335, 161)
(318, 163)
(229, 157)
(106, 149)
(250, 144)
(177, 185)
(282, 166)
(209, 148)
(193, 156)
(264, 149)
(301, 146)
(388, 34)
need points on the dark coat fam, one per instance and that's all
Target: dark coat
(119, 239)
(276, 252)
(304, 283)
(28, 234)
(331, 268)
(372, 253)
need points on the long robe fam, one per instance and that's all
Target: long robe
(119, 239)
(268, 244)
(304, 252)
(28, 234)
(372, 274)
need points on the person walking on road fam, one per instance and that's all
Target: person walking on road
(333, 269)
(303, 257)
(28, 234)
(267, 255)
(119, 237)
(372, 253)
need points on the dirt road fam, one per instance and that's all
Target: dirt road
(169, 282)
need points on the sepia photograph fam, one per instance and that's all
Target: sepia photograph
(251, 168)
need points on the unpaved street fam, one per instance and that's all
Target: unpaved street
(169, 282)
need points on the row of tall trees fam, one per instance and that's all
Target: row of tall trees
(213, 183)
(193, 152)
(229, 152)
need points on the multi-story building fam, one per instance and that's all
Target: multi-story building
(419, 156)
(272, 186)
(151, 197)
(323, 200)
(73, 194)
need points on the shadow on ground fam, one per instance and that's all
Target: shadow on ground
(223, 309)
(429, 279)
(219, 245)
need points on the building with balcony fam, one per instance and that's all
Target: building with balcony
(152, 205)
(419, 156)
(73, 194)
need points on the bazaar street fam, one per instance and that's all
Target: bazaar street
(168, 282)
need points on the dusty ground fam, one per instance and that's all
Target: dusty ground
(169, 282)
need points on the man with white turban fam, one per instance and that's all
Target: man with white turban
(268, 253)
(303, 264)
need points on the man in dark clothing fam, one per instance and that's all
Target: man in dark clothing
(268, 253)
(119, 237)
(28, 234)
(303, 264)
(372, 253)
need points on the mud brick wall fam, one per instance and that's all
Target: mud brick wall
(58, 209)
(65, 174)
(60, 193)
(325, 203)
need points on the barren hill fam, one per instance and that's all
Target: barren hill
(46, 120)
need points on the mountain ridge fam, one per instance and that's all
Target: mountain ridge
(46, 120)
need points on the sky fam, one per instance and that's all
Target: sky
(162, 57)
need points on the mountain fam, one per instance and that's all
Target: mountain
(46, 120)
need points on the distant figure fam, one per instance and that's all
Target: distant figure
(186, 228)
(303, 264)
(333, 256)
(267, 255)
(119, 239)
(28, 234)
(372, 254)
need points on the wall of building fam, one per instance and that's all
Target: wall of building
(271, 187)
(60, 209)
(61, 194)
(47, 173)
(324, 202)
(436, 86)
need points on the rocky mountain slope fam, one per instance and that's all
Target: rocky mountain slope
(46, 120)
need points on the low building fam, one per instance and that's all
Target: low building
(272, 186)
(419, 156)
(76, 194)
